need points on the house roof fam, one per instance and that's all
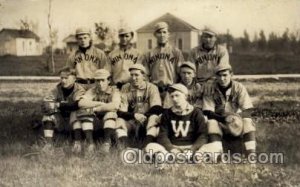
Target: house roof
(70, 39)
(175, 24)
(15, 33)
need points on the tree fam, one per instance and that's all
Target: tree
(26, 24)
(52, 37)
(245, 41)
(285, 40)
(255, 42)
(262, 41)
(105, 36)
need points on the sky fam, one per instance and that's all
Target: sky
(223, 15)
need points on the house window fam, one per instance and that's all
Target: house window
(30, 43)
(180, 43)
(149, 44)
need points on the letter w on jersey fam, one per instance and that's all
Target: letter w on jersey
(181, 128)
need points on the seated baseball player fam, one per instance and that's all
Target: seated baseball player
(229, 111)
(187, 73)
(59, 107)
(182, 127)
(101, 101)
(140, 107)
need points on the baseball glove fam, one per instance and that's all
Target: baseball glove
(234, 124)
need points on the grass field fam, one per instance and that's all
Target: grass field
(244, 64)
(277, 116)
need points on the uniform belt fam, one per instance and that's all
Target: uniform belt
(85, 81)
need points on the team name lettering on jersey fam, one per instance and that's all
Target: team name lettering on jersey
(87, 57)
(180, 127)
(138, 99)
(207, 57)
(163, 56)
(126, 56)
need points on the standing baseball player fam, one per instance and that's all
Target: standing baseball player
(59, 107)
(182, 127)
(163, 62)
(86, 59)
(140, 107)
(187, 74)
(123, 57)
(101, 101)
(206, 57)
(229, 111)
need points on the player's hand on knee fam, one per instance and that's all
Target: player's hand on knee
(140, 117)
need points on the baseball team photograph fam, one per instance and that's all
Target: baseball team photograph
(149, 93)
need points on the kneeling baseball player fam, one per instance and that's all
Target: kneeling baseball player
(101, 101)
(229, 111)
(60, 106)
(140, 107)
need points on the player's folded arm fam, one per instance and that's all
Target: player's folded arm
(114, 105)
(125, 115)
(215, 116)
(69, 106)
(154, 110)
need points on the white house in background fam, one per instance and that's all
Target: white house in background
(183, 35)
(19, 43)
(71, 43)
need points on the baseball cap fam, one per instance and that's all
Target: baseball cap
(125, 30)
(83, 30)
(223, 67)
(179, 87)
(138, 67)
(101, 74)
(160, 25)
(210, 30)
(189, 65)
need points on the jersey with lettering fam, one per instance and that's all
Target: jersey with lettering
(194, 96)
(120, 61)
(163, 64)
(206, 61)
(139, 100)
(181, 130)
(87, 63)
(236, 100)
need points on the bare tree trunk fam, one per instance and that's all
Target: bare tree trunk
(51, 37)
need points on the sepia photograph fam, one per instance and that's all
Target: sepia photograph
(149, 93)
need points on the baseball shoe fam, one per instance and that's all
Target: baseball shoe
(77, 147)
